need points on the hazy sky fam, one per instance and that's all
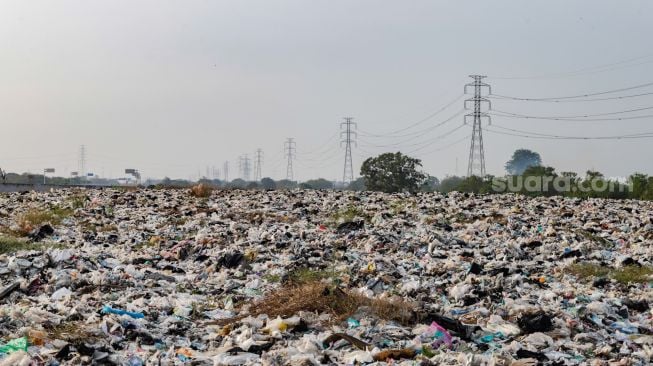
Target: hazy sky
(171, 87)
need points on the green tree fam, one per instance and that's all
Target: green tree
(252, 185)
(320, 183)
(540, 172)
(450, 184)
(393, 172)
(648, 194)
(268, 183)
(356, 185)
(286, 184)
(639, 185)
(593, 174)
(595, 185)
(476, 184)
(521, 160)
(431, 184)
(237, 183)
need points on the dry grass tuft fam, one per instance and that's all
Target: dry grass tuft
(34, 218)
(201, 191)
(70, 332)
(306, 275)
(318, 297)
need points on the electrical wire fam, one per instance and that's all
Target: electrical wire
(446, 146)
(436, 139)
(536, 135)
(327, 158)
(577, 100)
(511, 114)
(575, 119)
(317, 150)
(585, 71)
(40, 157)
(321, 154)
(402, 143)
(575, 96)
(394, 133)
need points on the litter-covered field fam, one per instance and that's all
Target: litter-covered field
(173, 277)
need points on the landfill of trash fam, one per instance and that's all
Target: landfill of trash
(162, 277)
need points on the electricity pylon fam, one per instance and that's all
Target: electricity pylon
(258, 162)
(289, 148)
(476, 165)
(346, 136)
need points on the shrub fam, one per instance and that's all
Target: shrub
(201, 191)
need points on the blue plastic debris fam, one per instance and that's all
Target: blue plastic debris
(106, 309)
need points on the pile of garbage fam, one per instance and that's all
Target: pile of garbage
(165, 277)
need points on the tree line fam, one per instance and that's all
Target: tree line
(396, 172)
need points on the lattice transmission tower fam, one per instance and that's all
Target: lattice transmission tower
(82, 162)
(476, 165)
(258, 163)
(245, 169)
(289, 148)
(347, 140)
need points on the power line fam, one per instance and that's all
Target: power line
(42, 157)
(575, 119)
(511, 114)
(446, 146)
(403, 143)
(575, 96)
(428, 143)
(333, 154)
(327, 144)
(335, 151)
(585, 70)
(575, 100)
(394, 133)
(536, 135)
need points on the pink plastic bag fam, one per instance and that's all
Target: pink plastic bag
(439, 335)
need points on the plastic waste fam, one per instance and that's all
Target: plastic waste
(535, 322)
(353, 323)
(18, 358)
(36, 337)
(61, 293)
(438, 336)
(489, 338)
(275, 326)
(135, 361)
(106, 309)
(507, 280)
(17, 344)
(235, 359)
(496, 324)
